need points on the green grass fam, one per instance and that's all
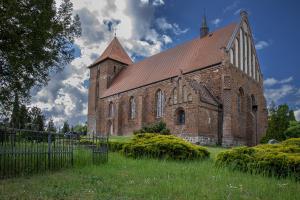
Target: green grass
(123, 178)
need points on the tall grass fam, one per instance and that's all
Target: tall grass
(124, 178)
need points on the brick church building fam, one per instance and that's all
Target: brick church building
(208, 90)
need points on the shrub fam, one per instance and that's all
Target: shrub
(292, 141)
(293, 130)
(163, 147)
(280, 160)
(158, 128)
(116, 146)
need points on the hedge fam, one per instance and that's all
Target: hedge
(279, 160)
(163, 147)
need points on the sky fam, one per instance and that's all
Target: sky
(147, 27)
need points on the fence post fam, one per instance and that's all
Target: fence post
(49, 150)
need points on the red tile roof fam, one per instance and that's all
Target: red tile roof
(192, 55)
(114, 51)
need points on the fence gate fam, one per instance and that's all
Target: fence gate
(24, 152)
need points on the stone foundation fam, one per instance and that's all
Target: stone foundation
(200, 140)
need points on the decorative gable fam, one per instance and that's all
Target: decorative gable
(241, 49)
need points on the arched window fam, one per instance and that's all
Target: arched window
(184, 92)
(190, 97)
(111, 109)
(253, 103)
(180, 116)
(159, 103)
(132, 108)
(175, 96)
(239, 99)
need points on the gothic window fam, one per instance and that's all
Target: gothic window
(184, 92)
(253, 103)
(236, 47)
(190, 97)
(111, 109)
(115, 69)
(175, 96)
(180, 116)
(132, 110)
(239, 100)
(159, 103)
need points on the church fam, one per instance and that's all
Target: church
(208, 91)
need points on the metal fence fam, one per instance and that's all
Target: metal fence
(24, 152)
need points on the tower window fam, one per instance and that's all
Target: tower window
(111, 110)
(159, 103)
(115, 69)
(180, 116)
(132, 108)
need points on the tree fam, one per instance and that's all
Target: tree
(278, 122)
(81, 128)
(15, 116)
(66, 127)
(36, 40)
(24, 117)
(38, 119)
(292, 116)
(51, 127)
(293, 130)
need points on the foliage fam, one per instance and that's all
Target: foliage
(159, 127)
(278, 122)
(36, 40)
(163, 147)
(80, 128)
(51, 127)
(279, 160)
(292, 141)
(66, 127)
(115, 146)
(37, 119)
(293, 131)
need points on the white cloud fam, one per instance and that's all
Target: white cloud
(216, 22)
(297, 114)
(163, 25)
(158, 2)
(261, 45)
(65, 96)
(231, 6)
(273, 81)
(276, 94)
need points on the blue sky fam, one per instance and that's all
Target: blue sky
(147, 27)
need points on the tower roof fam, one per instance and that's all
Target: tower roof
(114, 51)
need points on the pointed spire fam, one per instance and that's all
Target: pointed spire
(204, 30)
(116, 52)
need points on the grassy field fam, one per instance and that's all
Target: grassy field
(123, 178)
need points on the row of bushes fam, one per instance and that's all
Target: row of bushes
(279, 160)
(163, 147)
(156, 146)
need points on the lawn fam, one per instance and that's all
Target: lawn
(124, 178)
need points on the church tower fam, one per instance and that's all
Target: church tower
(204, 30)
(102, 73)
